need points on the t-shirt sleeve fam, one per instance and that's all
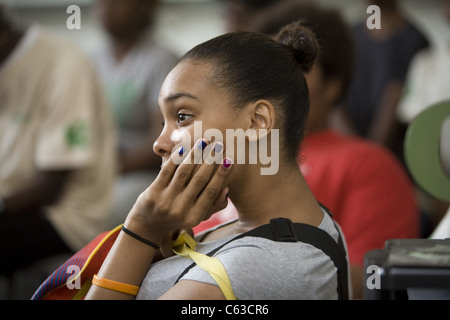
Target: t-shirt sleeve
(65, 136)
(246, 267)
(297, 271)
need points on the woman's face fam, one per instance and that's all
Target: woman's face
(186, 97)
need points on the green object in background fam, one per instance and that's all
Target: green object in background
(77, 135)
(423, 150)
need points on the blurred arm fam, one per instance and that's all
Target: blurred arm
(42, 191)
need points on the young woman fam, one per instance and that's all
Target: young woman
(235, 81)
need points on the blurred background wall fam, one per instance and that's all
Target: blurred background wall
(181, 24)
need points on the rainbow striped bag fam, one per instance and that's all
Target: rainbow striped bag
(65, 283)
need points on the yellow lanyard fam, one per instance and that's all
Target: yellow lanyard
(185, 245)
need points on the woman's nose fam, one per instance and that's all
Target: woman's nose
(163, 145)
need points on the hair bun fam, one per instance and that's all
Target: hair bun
(303, 43)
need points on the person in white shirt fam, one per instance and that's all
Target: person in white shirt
(428, 77)
(427, 83)
(56, 147)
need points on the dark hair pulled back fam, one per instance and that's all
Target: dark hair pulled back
(252, 66)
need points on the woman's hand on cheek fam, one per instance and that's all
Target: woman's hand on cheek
(182, 195)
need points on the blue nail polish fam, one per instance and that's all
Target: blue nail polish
(181, 151)
(202, 145)
(218, 147)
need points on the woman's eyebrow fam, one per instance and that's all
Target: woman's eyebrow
(178, 95)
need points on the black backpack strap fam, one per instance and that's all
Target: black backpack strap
(283, 230)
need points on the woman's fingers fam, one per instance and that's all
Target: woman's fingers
(181, 156)
(165, 175)
(214, 188)
(190, 184)
(203, 173)
(199, 187)
(188, 165)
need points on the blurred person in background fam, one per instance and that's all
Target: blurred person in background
(427, 83)
(132, 66)
(56, 147)
(428, 78)
(382, 60)
(239, 13)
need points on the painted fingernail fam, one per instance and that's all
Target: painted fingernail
(218, 147)
(202, 145)
(181, 151)
(227, 163)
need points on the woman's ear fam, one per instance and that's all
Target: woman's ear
(263, 119)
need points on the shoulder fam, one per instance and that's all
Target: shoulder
(259, 268)
(358, 148)
(408, 42)
(356, 162)
(414, 33)
(60, 56)
(374, 163)
(155, 53)
(57, 43)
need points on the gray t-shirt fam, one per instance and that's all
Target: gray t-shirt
(258, 269)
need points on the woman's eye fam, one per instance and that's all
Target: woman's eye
(181, 117)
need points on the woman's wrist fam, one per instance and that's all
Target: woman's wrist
(140, 225)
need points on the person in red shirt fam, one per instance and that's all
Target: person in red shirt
(363, 184)
(366, 189)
